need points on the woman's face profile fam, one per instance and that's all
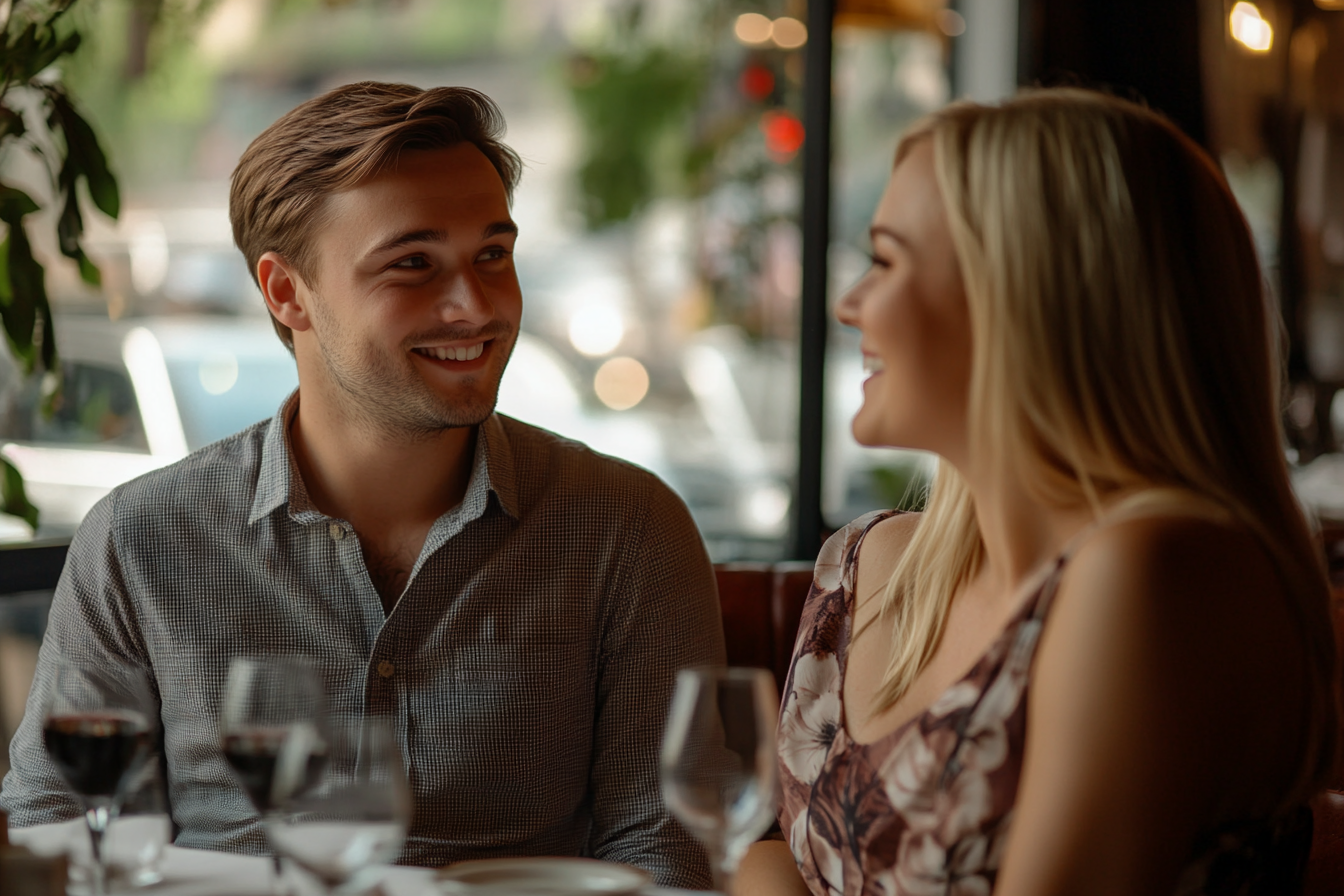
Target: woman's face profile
(914, 325)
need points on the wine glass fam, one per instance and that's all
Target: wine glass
(356, 817)
(268, 703)
(97, 725)
(719, 772)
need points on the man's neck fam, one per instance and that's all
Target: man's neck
(390, 487)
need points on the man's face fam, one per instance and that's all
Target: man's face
(416, 303)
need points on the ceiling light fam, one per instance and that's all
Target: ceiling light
(1249, 28)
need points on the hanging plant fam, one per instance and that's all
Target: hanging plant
(37, 116)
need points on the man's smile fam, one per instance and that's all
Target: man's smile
(453, 352)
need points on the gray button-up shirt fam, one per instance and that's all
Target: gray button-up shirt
(528, 663)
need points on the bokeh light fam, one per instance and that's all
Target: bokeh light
(596, 329)
(788, 33)
(1250, 29)
(752, 28)
(218, 372)
(757, 82)
(951, 23)
(783, 135)
(621, 383)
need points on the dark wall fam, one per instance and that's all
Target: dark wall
(1145, 49)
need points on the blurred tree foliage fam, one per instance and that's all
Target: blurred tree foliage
(664, 113)
(659, 105)
(629, 104)
(38, 116)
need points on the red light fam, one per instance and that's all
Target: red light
(783, 134)
(757, 82)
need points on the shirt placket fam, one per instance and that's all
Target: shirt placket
(380, 672)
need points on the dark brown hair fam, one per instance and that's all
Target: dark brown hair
(336, 141)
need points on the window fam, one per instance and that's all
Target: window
(95, 407)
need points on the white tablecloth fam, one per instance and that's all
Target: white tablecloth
(201, 872)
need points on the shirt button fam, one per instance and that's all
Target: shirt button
(386, 669)
(337, 533)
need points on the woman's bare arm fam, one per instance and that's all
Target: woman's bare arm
(768, 869)
(1164, 700)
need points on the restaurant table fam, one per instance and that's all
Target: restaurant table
(203, 872)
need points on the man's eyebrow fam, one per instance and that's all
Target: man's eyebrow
(887, 231)
(413, 236)
(435, 235)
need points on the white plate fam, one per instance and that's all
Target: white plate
(541, 875)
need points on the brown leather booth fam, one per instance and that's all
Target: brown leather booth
(761, 604)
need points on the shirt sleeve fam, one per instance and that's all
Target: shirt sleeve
(663, 615)
(90, 622)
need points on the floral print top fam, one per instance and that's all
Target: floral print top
(926, 809)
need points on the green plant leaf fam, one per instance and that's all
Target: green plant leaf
(6, 294)
(14, 204)
(13, 498)
(69, 228)
(28, 294)
(84, 153)
(49, 50)
(48, 329)
(11, 123)
(20, 51)
(88, 271)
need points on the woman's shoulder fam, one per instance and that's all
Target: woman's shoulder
(1174, 556)
(1180, 623)
(876, 532)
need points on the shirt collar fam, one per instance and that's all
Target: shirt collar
(274, 475)
(279, 482)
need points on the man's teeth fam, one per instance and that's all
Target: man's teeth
(871, 364)
(469, 353)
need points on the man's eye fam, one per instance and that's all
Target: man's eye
(494, 253)
(414, 263)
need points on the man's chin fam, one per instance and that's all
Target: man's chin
(466, 410)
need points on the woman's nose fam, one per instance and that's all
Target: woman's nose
(847, 309)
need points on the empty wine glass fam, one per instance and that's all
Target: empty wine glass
(718, 761)
(98, 724)
(269, 702)
(356, 817)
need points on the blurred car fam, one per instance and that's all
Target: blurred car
(136, 394)
(143, 392)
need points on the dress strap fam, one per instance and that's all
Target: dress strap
(850, 562)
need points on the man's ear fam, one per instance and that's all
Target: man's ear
(284, 290)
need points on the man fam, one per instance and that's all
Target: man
(516, 602)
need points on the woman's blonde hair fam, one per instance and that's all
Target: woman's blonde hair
(1122, 340)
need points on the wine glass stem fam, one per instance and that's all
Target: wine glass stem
(97, 818)
(721, 867)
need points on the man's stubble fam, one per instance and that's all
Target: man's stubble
(386, 395)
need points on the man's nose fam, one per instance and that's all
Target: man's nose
(464, 299)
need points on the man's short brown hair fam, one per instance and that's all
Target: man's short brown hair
(336, 141)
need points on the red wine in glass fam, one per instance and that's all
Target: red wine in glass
(272, 707)
(95, 751)
(254, 756)
(97, 726)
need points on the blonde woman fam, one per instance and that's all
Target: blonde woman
(1100, 661)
